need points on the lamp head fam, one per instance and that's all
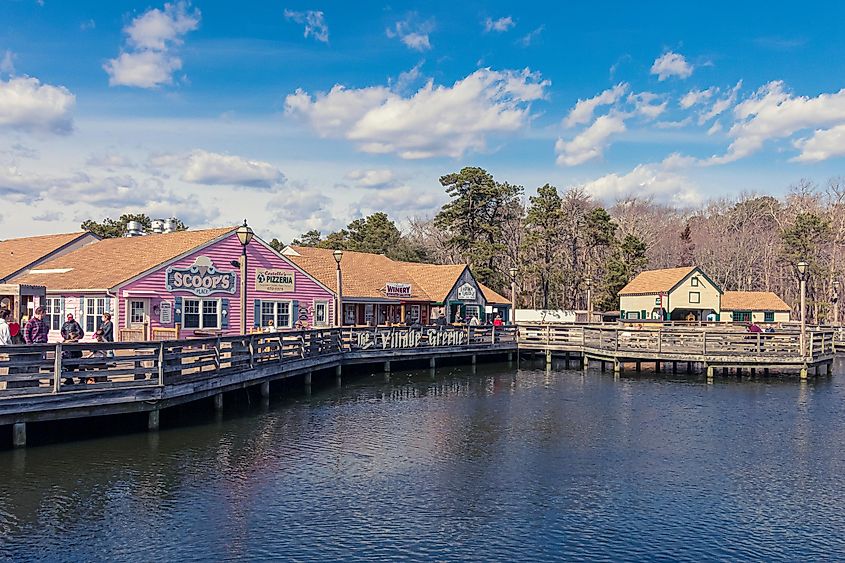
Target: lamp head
(836, 285)
(245, 234)
(338, 255)
(513, 272)
(802, 267)
(589, 282)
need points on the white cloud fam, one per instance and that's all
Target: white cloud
(773, 113)
(584, 109)
(434, 121)
(109, 161)
(401, 201)
(27, 104)
(412, 32)
(7, 63)
(695, 97)
(305, 209)
(643, 105)
(590, 143)
(721, 105)
(377, 178)
(823, 144)
(151, 38)
(208, 168)
(88, 25)
(500, 25)
(529, 37)
(646, 181)
(671, 64)
(715, 128)
(314, 21)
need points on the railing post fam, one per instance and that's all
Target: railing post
(57, 369)
(659, 340)
(704, 343)
(251, 351)
(616, 340)
(810, 351)
(161, 364)
(217, 354)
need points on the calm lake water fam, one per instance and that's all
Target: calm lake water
(499, 465)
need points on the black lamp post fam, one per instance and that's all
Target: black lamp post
(513, 295)
(802, 276)
(245, 235)
(338, 255)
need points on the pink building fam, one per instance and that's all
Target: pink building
(184, 283)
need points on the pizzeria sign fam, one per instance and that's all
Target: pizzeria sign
(274, 281)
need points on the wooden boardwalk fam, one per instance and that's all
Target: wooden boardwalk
(712, 348)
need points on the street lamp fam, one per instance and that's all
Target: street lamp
(245, 235)
(338, 316)
(802, 276)
(589, 282)
(835, 303)
(513, 295)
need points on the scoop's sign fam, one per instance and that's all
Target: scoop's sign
(200, 278)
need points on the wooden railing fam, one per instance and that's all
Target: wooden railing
(80, 367)
(677, 342)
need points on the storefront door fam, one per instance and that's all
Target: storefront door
(138, 316)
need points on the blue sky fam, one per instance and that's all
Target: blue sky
(299, 115)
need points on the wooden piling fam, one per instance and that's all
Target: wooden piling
(19, 434)
(153, 420)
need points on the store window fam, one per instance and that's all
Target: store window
(321, 313)
(632, 315)
(137, 312)
(769, 316)
(472, 311)
(201, 313)
(276, 313)
(369, 311)
(94, 309)
(414, 312)
(695, 297)
(53, 312)
(741, 316)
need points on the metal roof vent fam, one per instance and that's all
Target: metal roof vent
(157, 226)
(170, 225)
(134, 229)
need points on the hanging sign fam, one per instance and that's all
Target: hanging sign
(274, 281)
(397, 289)
(165, 313)
(466, 292)
(200, 278)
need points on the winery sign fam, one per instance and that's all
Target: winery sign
(397, 289)
(200, 278)
(274, 281)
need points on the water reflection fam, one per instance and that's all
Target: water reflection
(491, 465)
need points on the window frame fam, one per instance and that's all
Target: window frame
(768, 316)
(98, 309)
(275, 314)
(694, 281)
(53, 310)
(741, 316)
(697, 299)
(318, 304)
(129, 312)
(201, 314)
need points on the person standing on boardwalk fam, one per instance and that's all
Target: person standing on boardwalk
(107, 328)
(5, 332)
(498, 321)
(71, 327)
(36, 330)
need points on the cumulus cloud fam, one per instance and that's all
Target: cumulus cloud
(695, 97)
(590, 143)
(305, 209)
(314, 21)
(401, 201)
(773, 113)
(584, 109)
(644, 104)
(671, 64)
(27, 104)
(434, 121)
(148, 59)
(823, 144)
(209, 168)
(374, 178)
(499, 25)
(652, 181)
(412, 32)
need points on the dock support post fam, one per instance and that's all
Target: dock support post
(830, 368)
(474, 359)
(739, 372)
(725, 372)
(19, 434)
(710, 374)
(548, 357)
(638, 366)
(803, 373)
(566, 360)
(585, 362)
(657, 367)
(386, 367)
(264, 388)
(308, 378)
(818, 370)
(765, 372)
(338, 370)
(603, 366)
(753, 372)
(617, 366)
(432, 362)
(218, 402)
(510, 357)
(689, 367)
(153, 420)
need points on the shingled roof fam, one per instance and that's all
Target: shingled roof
(753, 301)
(656, 281)
(21, 253)
(493, 297)
(110, 262)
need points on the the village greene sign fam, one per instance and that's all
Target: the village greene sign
(274, 281)
(200, 278)
(411, 338)
(466, 292)
(397, 289)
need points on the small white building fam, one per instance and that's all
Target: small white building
(676, 294)
(754, 306)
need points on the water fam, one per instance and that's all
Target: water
(496, 465)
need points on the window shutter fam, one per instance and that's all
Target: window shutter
(642, 314)
(177, 311)
(224, 313)
(294, 314)
(256, 313)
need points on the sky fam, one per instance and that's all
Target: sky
(299, 115)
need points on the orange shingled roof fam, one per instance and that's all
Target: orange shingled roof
(753, 301)
(110, 262)
(493, 297)
(656, 281)
(437, 280)
(17, 254)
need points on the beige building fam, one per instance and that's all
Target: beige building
(754, 306)
(670, 294)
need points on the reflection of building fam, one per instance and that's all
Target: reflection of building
(185, 283)
(378, 290)
(688, 294)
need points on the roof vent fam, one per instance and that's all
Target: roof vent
(170, 225)
(134, 229)
(157, 226)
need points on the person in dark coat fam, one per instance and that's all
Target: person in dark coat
(107, 328)
(72, 327)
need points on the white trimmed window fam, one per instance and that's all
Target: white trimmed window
(414, 313)
(94, 309)
(279, 312)
(53, 312)
(201, 313)
(321, 313)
